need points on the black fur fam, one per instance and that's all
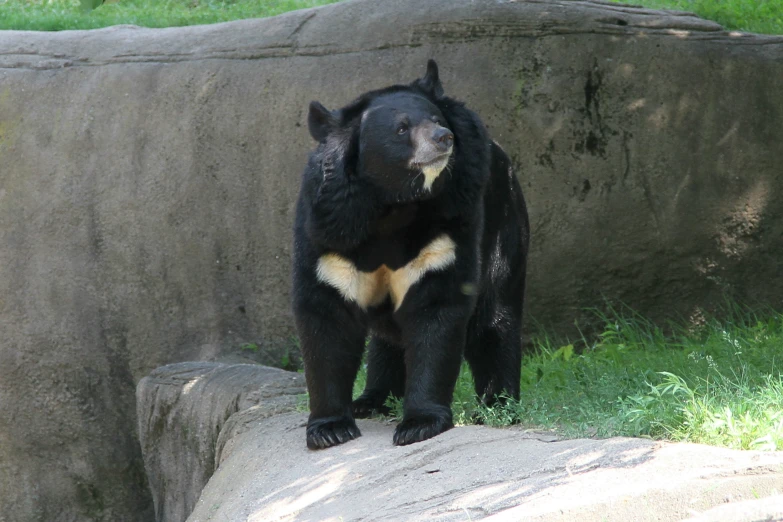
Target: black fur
(361, 200)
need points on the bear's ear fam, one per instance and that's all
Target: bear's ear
(431, 82)
(320, 121)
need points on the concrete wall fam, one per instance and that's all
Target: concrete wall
(148, 178)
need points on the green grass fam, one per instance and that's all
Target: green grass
(760, 16)
(757, 16)
(56, 15)
(718, 384)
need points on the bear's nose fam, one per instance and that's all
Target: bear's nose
(443, 138)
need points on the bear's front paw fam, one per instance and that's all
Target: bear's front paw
(368, 405)
(416, 428)
(331, 431)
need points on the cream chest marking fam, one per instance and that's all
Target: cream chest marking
(432, 172)
(371, 288)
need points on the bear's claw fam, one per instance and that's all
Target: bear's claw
(325, 433)
(419, 428)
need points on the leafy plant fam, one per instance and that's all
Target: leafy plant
(89, 5)
(250, 347)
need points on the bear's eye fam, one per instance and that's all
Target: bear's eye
(436, 120)
(402, 128)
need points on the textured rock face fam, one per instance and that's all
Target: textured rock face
(221, 442)
(478, 473)
(182, 410)
(147, 182)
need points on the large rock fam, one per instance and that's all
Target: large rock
(147, 181)
(182, 409)
(227, 427)
(478, 473)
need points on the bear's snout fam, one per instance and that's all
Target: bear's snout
(431, 143)
(443, 138)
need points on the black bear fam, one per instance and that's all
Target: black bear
(410, 228)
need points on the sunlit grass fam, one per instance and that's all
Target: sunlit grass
(56, 15)
(757, 16)
(761, 16)
(718, 384)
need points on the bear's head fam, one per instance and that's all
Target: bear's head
(397, 138)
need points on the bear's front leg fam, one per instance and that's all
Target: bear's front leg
(332, 345)
(434, 339)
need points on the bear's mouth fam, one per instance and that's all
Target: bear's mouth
(432, 169)
(438, 163)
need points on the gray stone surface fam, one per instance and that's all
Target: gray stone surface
(147, 182)
(769, 509)
(182, 409)
(477, 473)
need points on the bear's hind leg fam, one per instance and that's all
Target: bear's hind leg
(494, 353)
(385, 376)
